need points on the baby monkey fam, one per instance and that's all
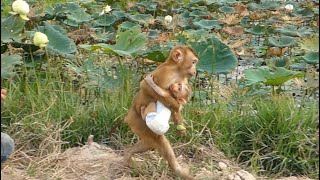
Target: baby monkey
(156, 114)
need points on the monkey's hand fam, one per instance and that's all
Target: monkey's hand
(154, 86)
(149, 78)
(3, 94)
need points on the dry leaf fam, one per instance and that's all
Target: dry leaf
(312, 77)
(231, 19)
(240, 53)
(276, 51)
(234, 30)
(255, 16)
(239, 43)
(298, 82)
(241, 9)
(81, 35)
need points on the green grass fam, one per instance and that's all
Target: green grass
(36, 107)
(271, 135)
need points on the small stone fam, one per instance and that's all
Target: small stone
(230, 177)
(236, 177)
(245, 175)
(222, 165)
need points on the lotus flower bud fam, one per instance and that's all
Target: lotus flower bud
(40, 39)
(22, 8)
(168, 19)
(289, 7)
(106, 9)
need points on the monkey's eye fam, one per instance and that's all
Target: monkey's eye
(195, 61)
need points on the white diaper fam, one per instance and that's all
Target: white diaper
(158, 121)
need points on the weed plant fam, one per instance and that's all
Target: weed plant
(270, 134)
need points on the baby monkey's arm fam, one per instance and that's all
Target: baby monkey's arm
(155, 87)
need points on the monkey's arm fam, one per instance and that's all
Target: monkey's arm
(155, 87)
(165, 97)
(168, 101)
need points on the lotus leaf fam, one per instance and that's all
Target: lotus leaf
(260, 51)
(257, 30)
(59, 43)
(311, 57)
(227, 9)
(128, 43)
(128, 25)
(105, 20)
(245, 22)
(11, 29)
(71, 23)
(298, 66)
(273, 78)
(8, 62)
(278, 62)
(253, 6)
(104, 37)
(197, 13)
(156, 53)
(153, 34)
(294, 31)
(310, 43)
(215, 57)
(150, 6)
(227, 1)
(120, 14)
(265, 5)
(196, 1)
(196, 35)
(141, 18)
(79, 16)
(304, 13)
(208, 24)
(281, 41)
(98, 77)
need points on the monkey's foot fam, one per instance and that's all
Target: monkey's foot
(128, 162)
(183, 173)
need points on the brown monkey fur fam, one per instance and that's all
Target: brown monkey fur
(180, 66)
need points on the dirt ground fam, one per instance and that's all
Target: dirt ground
(98, 162)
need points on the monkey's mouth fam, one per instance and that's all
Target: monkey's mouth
(192, 74)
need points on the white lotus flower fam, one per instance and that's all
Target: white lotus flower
(289, 7)
(168, 19)
(106, 9)
(40, 39)
(20, 7)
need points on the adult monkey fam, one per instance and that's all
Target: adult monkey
(180, 66)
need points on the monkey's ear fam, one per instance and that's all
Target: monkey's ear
(177, 55)
(181, 101)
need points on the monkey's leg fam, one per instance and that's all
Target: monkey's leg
(139, 147)
(151, 107)
(167, 152)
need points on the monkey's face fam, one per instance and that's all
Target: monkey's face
(190, 63)
(178, 90)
